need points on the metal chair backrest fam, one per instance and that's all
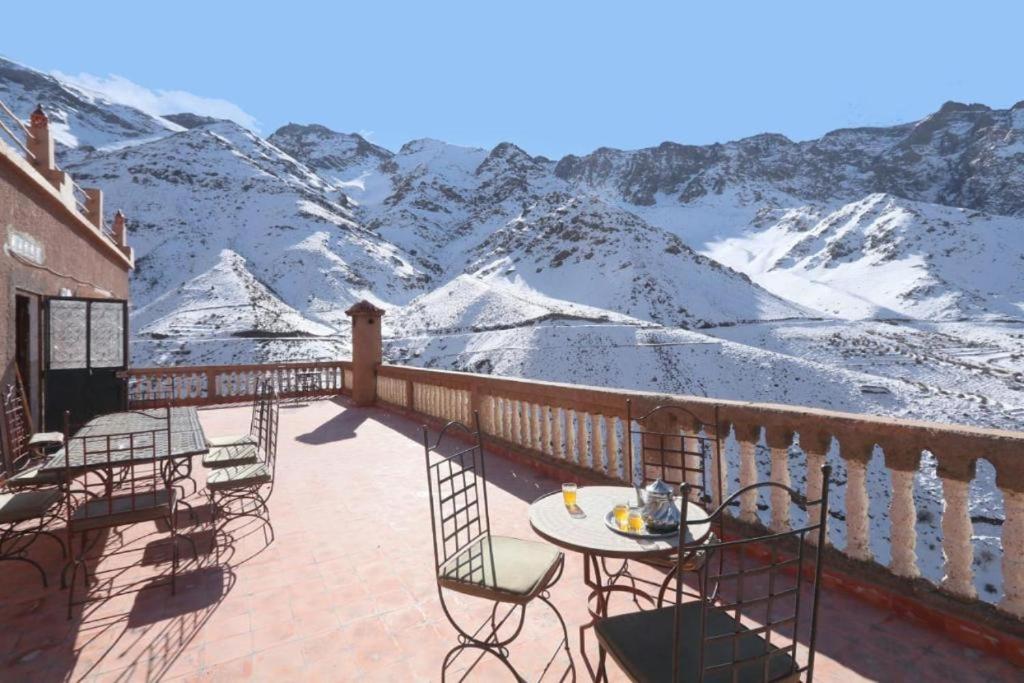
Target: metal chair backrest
(17, 427)
(457, 485)
(768, 587)
(268, 434)
(675, 445)
(132, 465)
(260, 401)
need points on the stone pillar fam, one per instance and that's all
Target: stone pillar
(120, 229)
(94, 206)
(366, 351)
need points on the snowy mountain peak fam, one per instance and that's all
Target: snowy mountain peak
(328, 150)
(78, 117)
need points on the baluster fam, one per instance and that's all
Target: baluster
(585, 458)
(956, 538)
(1013, 552)
(499, 417)
(748, 475)
(570, 437)
(614, 455)
(545, 430)
(527, 415)
(599, 458)
(538, 427)
(506, 419)
(719, 468)
(516, 426)
(558, 445)
(815, 459)
(903, 521)
(858, 542)
(779, 498)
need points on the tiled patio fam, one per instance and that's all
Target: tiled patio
(346, 591)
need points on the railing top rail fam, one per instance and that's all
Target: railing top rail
(903, 440)
(187, 369)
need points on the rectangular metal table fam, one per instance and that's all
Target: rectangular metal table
(186, 439)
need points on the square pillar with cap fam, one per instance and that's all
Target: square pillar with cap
(366, 351)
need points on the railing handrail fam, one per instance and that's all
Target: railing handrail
(184, 369)
(11, 134)
(858, 430)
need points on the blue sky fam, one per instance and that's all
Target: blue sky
(554, 77)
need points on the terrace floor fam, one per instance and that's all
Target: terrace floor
(346, 591)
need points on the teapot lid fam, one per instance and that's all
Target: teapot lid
(659, 488)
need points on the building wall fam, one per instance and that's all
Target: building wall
(75, 253)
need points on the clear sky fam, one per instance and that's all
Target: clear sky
(555, 77)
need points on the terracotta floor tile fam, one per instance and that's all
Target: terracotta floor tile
(342, 595)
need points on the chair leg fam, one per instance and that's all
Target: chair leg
(488, 643)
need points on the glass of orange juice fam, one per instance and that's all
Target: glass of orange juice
(636, 520)
(621, 512)
(569, 494)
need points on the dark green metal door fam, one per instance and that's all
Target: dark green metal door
(86, 351)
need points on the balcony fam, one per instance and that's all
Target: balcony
(346, 590)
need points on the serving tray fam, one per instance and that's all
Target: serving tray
(609, 520)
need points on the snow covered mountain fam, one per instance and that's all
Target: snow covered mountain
(252, 248)
(873, 269)
(80, 119)
(584, 250)
(885, 256)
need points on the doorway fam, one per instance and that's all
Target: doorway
(26, 348)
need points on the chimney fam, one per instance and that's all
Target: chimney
(40, 144)
(366, 351)
(120, 229)
(94, 206)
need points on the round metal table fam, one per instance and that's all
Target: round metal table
(584, 531)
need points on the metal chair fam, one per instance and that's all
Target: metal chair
(675, 446)
(242, 449)
(125, 479)
(26, 449)
(245, 490)
(469, 559)
(30, 504)
(766, 604)
(259, 398)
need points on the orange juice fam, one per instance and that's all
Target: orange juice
(636, 521)
(621, 512)
(569, 495)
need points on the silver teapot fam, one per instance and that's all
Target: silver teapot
(659, 506)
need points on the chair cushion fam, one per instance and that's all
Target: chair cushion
(243, 476)
(35, 476)
(121, 509)
(45, 439)
(641, 643)
(231, 456)
(22, 505)
(232, 440)
(501, 568)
